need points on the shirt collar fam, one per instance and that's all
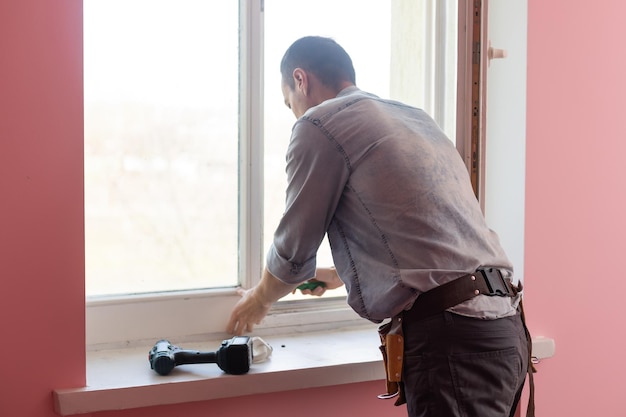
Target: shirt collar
(348, 90)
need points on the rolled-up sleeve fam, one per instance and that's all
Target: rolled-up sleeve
(317, 172)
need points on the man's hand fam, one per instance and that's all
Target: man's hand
(255, 303)
(248, 312)
(330, 279)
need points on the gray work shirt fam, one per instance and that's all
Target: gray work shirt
(394, 196)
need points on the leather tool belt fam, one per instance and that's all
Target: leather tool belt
(487, 281)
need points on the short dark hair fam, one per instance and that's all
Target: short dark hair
(323, 57)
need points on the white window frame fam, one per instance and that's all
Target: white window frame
(134, 320)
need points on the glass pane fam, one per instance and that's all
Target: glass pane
(424, 57)
(161, 144)
(401, 49)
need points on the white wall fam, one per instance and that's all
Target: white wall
(506, 127)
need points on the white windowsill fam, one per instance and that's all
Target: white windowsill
(122, 378)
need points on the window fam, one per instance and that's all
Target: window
(185, 140)
(161, 148)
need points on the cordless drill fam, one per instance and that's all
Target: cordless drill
(233, 357)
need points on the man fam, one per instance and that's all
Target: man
(393, 195)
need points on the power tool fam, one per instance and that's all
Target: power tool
(234, 356)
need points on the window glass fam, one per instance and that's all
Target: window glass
(161, 144)
(161, 122)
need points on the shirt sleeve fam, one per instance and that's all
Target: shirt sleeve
(317, 172)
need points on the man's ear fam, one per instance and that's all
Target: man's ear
(301, 80)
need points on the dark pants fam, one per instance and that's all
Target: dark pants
(456, 366)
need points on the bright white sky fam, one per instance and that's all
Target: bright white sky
(169, 50)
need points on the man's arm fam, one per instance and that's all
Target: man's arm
(257, 301)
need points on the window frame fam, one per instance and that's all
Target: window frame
(472, 91)
(202, 314)
(251, 143)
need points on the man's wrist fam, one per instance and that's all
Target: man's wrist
(260, 297)
(271, 289)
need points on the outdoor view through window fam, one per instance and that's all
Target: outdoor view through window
(162, 122)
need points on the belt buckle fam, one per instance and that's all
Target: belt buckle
(495, 282)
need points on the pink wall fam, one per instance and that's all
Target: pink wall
(346, 400)
(41, 216)
(576, 202)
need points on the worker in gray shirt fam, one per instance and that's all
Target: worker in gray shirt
(407, 235)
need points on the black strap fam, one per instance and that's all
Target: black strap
(488, 281)
(530, 411)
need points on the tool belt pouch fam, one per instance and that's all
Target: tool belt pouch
(392, 349)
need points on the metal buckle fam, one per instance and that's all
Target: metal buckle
(496, 283)
(389, 396)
